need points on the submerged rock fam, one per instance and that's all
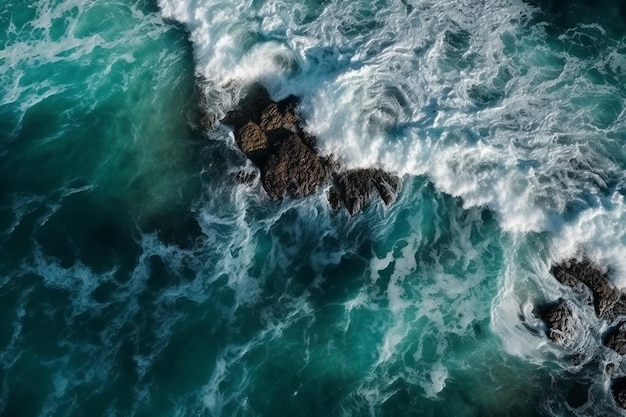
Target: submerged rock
(270, 135)
(246, 177)
(573, 273)
(355, 188)
(616, 339)
(618, 389)
(561, 325)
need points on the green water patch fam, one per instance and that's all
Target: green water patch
(103, 144)
(398, 325)
(566, 14)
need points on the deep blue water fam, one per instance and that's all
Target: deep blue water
(138, 277)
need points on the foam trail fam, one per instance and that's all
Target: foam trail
(428, 89)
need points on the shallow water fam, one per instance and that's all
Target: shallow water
(139, 278)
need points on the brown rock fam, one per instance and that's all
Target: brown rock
(270, 135)
(616, 339)
(561, 325)
(271, 118)
(292, 168)
(252, 140)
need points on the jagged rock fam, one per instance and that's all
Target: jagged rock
(387, 186)
(273, 117)
(560, 323)
(355, 187)
(249, 108)
(619, 308)
(252, 141)
(605, 297)
(334, 198)
(618, 389)
(270, 135)
(616, 339)
(292, 168)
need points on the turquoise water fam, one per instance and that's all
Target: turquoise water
(137, 277)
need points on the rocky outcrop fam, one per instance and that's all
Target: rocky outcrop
(616, 339)
(608, 303)
(270, 135)
(574, 273)
(354, 188)
(561, 325)
(293, 169)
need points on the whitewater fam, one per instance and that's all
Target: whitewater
(139, 277)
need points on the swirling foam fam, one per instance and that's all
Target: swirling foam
(469, 94)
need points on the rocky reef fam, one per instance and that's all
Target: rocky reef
(591, 284)
(616, 338)
(270, 135)
(560, 322)
(608, 301)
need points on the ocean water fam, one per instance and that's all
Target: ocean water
(139, 278)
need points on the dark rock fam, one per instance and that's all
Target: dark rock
(249, 108)
(355, 187)
(246, 177)
(619, 308)
(605, 296)
(560, 323)
(280, 134)
(270, 135)
(609, 369)
(292, 169)
(616, 339)
(387, 186)
(618, 389)
(334, 198)
(252, 141)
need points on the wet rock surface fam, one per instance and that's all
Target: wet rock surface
(618, 389)
(609, 303)
(616, 339)
(606, 298)
(270, 135)
(293, 169)
(354, 188)
(561, 324)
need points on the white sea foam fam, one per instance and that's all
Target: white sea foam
(600, 233)
(429, 88)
